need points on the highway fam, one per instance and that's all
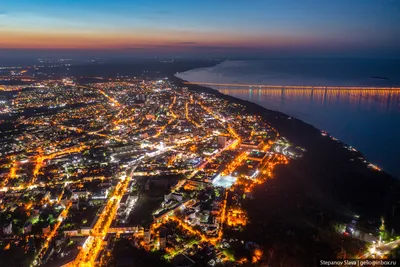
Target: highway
(292, 87)
(93, 245)
(88, 254)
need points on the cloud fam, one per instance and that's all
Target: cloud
(3, 12)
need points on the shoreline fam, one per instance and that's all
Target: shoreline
(258, 108)
(331, 174)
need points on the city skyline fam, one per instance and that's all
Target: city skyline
(263, 28)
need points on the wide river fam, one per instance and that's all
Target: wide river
(369, 120)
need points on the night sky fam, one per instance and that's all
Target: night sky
(207, 27)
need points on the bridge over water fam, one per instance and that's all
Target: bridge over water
(239, 86)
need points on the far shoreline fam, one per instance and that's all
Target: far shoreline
(289, 79)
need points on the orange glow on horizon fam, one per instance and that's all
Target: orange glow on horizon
(139, 39)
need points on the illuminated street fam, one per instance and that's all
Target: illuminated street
(147, 161)
(199, 133)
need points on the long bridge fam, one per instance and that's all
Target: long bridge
(290, 87)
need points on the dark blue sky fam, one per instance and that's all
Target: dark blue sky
(208, 27)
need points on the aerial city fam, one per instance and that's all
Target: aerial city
(210, 139)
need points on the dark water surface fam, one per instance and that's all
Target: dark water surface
(369, 120)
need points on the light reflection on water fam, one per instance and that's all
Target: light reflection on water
(366, 119)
